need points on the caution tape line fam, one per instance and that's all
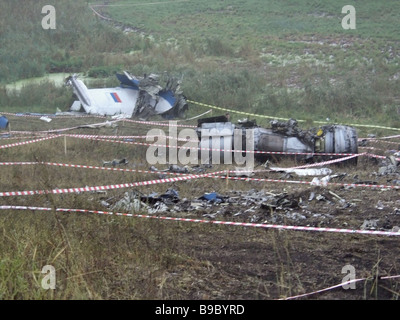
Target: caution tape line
(388, 142)
(170, 124)
(66, 165)
(206, 149)
(182, 177)
(382, 141)
(324, 163)
(285, 119)
(10, 137)
(349, 156)
(337, 286)
(379, 139)
(184, 120)
(373, 148)
(211, 149)
(64, 129)
(107, 187)
(51, 115)
(90, 136)
(236, 111)
(352, 185)
(27, 142)
(218, 222)
(119, 137)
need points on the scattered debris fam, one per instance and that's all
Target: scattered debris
(320, 182)
(130, 202)
(212, 197)
(47, 119)
(369, 225)
(171, 196)
(107, 124)
(115, 162)
(305, 172)
(389, 166)
(177, 169)
(243, 172)
(380, 205)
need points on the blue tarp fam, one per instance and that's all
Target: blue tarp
(212, 197)
(3, 122)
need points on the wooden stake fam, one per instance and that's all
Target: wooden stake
(65, 145)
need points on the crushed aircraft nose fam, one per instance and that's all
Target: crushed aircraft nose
(136, 97)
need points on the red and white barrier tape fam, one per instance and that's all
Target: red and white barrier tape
(66, 165)
(352, 185)
(387, 142)
(209, 149)
(95, 137)
(27, 142)
(230, 223)
(182, 177)
(383, 138)
(51, 115)
(324, 163)
(156, 123)
(112, 121)
(336, 286)
(107, 187)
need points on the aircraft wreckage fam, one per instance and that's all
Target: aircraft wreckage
(136, 97)
(282, 137)
(144, 97)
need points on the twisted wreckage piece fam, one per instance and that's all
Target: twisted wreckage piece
(136, 97)
(281, 138)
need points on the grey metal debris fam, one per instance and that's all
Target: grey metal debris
(369, 225)
(305, 172)
(389, 166)
(130, 202)
(115, 162)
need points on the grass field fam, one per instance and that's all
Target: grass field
(277, 58)
(101, 256)
(290, 59)
(255, 20)
(284, 59)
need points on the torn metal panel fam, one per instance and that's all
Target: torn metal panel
(136, 97)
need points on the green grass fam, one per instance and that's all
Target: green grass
(283, 59)
(255, 19)
(276, 58)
